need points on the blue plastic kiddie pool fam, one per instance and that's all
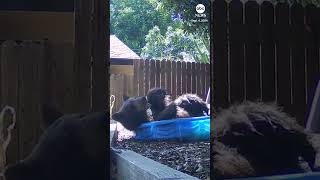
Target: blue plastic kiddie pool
(182, 129)
(303, 176)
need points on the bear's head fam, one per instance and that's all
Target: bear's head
(158, 98)
(133, 112)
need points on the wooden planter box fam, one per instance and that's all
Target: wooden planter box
(131, 166)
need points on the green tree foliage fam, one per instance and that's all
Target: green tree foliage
(186, 10)
(159, 29)
(302, 2)
(174, 44)
(198, 33)
(131, 20)
(308, 2)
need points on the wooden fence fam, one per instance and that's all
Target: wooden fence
(71, 75)
(36, 72)
(177, 77)
(267, 52)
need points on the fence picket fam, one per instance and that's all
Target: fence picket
(193, 78)
(152, 74)
(298, 64)
(283, 56)
(163, 73)
(135, 77)
(141, 78)
(252, 64)
(169, 77)
(220, 55)
(174, 79)
(183, 77)
(199, 88)
(179, 78)
(147, 75)
(237, 82)
(189, 70)
(268, 53)
(158, 73)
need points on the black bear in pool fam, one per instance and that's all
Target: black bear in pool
(134, 111)
(74, 146)
(186, 105)
(159, 100)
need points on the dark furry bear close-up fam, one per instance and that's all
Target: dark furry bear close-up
(258, 139)
(73, 146)
(134, 110)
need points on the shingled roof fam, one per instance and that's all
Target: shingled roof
(118, 50)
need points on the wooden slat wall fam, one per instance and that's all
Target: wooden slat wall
(67, 72)
(56, 26)
(60, 86)
(117, 84)
(100, 65)
(9, 60)
(266, 52)
(83, 46)
(20, 65)
(37, 72)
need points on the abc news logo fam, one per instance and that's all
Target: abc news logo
(200, 8)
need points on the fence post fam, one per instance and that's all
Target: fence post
(298, 62)
(9, 62)
(237, 60)
(220, 56)
(268, 52)
(283, 56)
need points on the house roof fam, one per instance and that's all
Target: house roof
(118, 50)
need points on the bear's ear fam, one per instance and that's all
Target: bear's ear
(49, 115)
(125, 97)
(118, 116)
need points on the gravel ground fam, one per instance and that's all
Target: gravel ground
(190, 158)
